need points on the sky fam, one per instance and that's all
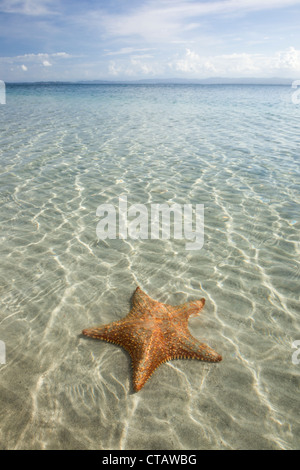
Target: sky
(70, 40)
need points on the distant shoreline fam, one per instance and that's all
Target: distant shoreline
(173, 81)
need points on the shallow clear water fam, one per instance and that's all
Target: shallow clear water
(66, 149)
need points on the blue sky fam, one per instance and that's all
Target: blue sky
(131, 39)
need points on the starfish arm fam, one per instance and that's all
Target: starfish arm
(187, 309)
(188, 347)
(109, 332)
(141, 301)
(145, 361)
(95, 332)
(121, 332)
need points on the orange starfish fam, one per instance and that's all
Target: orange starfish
(154, 333)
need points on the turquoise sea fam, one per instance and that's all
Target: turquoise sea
(65, 150)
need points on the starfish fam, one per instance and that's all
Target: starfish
(154, 333)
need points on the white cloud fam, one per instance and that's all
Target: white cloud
(288, 60)
(127, 50)
(282, 64)
(40, 66)
(113, 69)
(40, 58)
(135, 67)
(222, 65)
(159, 20)
(29, 7)
(64, 55)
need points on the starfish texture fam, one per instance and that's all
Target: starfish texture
(154, 333)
